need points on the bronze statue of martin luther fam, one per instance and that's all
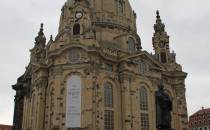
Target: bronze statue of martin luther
(163, 109)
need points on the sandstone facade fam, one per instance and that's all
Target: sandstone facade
(98, 44)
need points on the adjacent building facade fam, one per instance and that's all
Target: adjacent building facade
(95, 75)
(200, 120)
(5, 127)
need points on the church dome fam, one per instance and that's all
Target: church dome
(112, 13)
(107, 21)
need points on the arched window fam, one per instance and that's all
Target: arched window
(74, 56)
(76, 29)
(108, 95)
(119, 6)
(73, 102)
(143, 99)
(163, 57)
(131, 44)
(108, 103)
(109, 120)
(144, 112)
(142, 67)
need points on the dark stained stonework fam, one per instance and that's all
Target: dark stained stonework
(19, 103)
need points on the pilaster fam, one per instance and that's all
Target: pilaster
(125, 84)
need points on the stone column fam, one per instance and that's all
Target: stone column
(41, 97)
(182, 110)
(181, 113)
(126, 101)
(18, 111)
(42, 83)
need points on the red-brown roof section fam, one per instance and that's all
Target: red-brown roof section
(202, 111)
(5, 127)
(200, 118)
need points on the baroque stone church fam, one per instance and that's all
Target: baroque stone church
(94, 75)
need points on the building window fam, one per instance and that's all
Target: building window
(142, 67)
(108, 103)
(108, 120)
(163, 57)
(131, 44)
(119, 6)
(144, 121)
(73, 102)
(76, 29)
(144, 112)
(74, 56)
(143, 99)
(109, 67)
(108, 95)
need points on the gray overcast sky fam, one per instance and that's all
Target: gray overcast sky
(187, 22)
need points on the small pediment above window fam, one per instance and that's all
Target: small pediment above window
(147, 59)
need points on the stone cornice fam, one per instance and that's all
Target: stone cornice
(111, 25)
(146, 54)
(175, 74)
(68, 46)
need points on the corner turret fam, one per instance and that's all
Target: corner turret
(38, 53)
(40, 39)
(161, 43)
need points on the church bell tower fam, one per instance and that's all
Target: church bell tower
(161, 43)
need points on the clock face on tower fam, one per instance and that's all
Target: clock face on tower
(78, 15)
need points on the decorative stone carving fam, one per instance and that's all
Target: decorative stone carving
(110, 51)
(76, 56)
(38, 53)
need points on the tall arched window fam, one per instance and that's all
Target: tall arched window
(142, 67)
(108, 95)
(119, 6)
(73, 102)
(108, 104)
(163, 57)
(144, 112)
(76, 29)
(131, 44)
